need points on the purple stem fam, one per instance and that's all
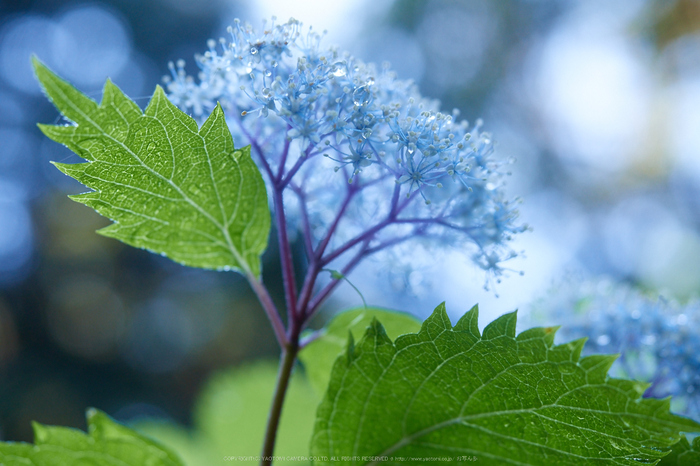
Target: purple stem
(290, 291)
(393, 242)
(314, 265)
(363, 237)
(331, 230)
(316, 302)
(396, 208)
(305, 223)
(270, 310)
(311, 337)
(284, 181)
(282, 236)
(283, 159)
(365, 251)
(307, 288)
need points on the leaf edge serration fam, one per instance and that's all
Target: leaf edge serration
(105, 440)
(245, 250)
(504, 328)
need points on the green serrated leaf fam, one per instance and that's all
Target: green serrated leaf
(683, 453)
(169, 186)
(106, 443)
(319, 355)
(447, 392)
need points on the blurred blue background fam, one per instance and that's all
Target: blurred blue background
(598, 102)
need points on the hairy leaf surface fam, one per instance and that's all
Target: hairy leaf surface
(319, 355)
(169, 186)
(106, 443)
(451, 392)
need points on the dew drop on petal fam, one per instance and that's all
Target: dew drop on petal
(360, 96)
(339, 70)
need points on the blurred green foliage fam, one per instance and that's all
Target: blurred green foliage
(683, 453)
(231, 414)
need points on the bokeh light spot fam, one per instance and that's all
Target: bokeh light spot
(93, 44)
(19, 39)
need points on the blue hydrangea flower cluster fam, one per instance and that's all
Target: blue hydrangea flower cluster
(351, 145)
(658, 340)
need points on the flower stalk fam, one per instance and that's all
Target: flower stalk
(287, 360)
(357, 163)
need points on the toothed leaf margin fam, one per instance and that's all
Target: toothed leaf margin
(106, 443)
(451, 392)
(169, 186)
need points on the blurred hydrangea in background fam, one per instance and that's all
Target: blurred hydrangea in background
(658, 340)
(596, 100)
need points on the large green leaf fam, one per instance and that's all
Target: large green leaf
(169, 186)
(683, 454)
(319, 355)
(106, 444)
(449, 392)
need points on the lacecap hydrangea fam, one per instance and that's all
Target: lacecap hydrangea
(658, 340)
(362, 161)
